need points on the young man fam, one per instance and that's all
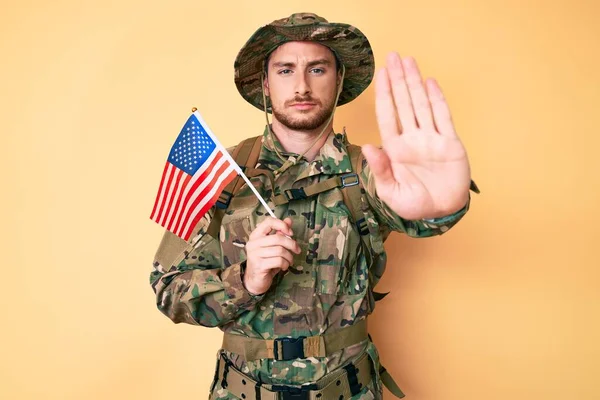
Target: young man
(293, 294)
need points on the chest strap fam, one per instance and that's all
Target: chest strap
(292, 348)
(340, 181)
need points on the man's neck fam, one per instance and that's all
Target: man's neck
(297, 141)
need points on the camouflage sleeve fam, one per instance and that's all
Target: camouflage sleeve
(196, 288)
(392, 221)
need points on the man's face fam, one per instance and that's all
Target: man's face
(302, 84)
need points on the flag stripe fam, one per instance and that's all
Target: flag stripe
(175, 210)
(215, 195)
(162, 180)
(169, 201)
(172, 170)
(195, 188)
(199, 175)
(208, 164)
(201, 192)
(168, 194)
(162, 188)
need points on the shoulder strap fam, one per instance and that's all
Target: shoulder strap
(353, 200)
(245, 155)
(352, 194)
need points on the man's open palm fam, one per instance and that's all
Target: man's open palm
(422, 170)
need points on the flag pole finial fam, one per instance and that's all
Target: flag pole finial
(194, 109)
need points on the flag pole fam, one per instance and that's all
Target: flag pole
(262, 201)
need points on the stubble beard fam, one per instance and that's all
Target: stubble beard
(303, 124)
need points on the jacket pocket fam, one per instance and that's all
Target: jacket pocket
(234, 233)
(330, 243)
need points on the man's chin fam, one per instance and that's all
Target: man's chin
(302, 119)
(302, 123)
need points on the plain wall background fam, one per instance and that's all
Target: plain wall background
(93, 94)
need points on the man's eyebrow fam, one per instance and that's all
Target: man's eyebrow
(322, 61)
(283, 64)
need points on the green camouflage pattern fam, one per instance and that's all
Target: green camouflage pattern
(327, 288)
(371, 391)
(348, 43)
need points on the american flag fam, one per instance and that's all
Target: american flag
(196, 172)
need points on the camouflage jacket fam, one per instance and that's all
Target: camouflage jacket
(325, 290)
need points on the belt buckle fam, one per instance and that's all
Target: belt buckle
(291, 348)
(290, 393)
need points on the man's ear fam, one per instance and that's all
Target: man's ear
(266, 86)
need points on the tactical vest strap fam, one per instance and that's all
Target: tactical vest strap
(351, 190)
(353, 196)
(473, 187)
(242, 153)
(291, 348)
(252, 172)
(390, 383)
(246, 158)
(342, 181)
(353, 200)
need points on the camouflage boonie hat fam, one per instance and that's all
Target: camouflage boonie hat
(348, 43)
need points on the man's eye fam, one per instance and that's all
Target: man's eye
(284, 72)
(317, 70)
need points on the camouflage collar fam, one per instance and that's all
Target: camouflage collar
(333, 157)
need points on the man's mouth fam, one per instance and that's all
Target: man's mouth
(303, 105)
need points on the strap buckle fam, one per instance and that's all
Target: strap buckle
(294, 194)
(291, 348)
(350, 179)
(362, 226)
(292, 393)
(352, 375)
(224, 200)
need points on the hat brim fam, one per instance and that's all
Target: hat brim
(348, 43)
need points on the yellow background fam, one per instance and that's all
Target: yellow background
(504, 306)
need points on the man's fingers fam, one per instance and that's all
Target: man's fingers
(441, 111)
(275, 251)
(401, 94)
(380, 165)
(278, 240)
(418, 95)
(275, 263)
(269, 224)
(384, 106)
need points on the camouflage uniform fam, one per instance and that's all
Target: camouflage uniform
(329, 286)
(325, 290)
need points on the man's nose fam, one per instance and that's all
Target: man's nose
(302, 85)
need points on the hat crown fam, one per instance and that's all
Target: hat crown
(298, 19)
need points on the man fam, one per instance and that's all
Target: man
(293, 294)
